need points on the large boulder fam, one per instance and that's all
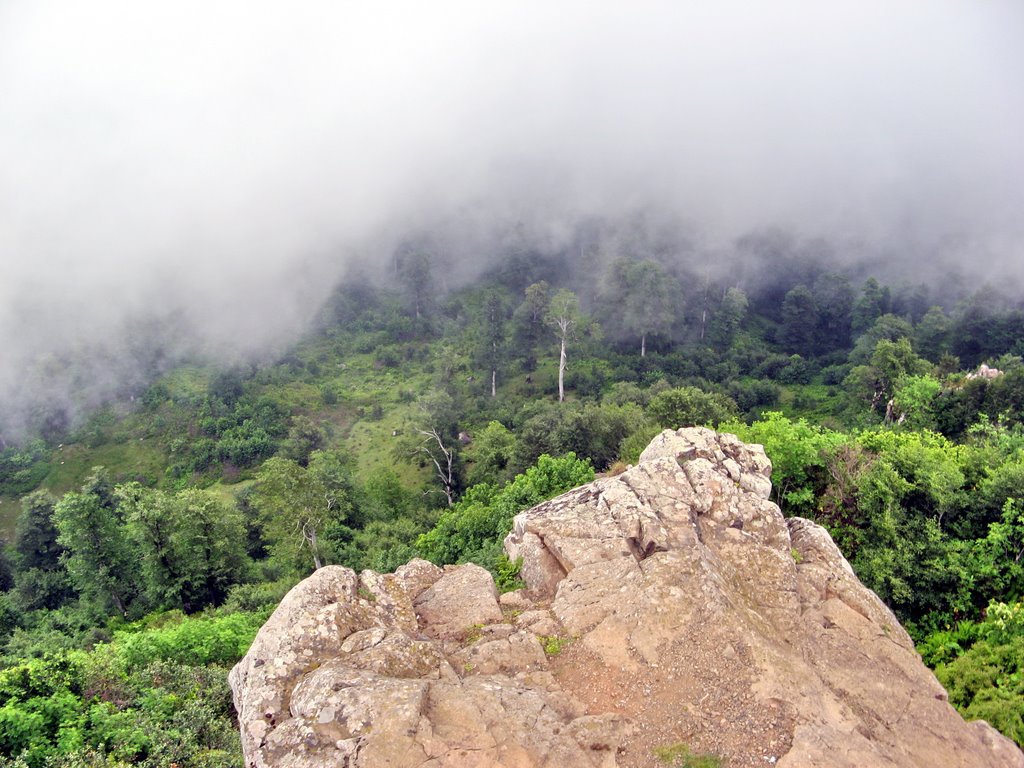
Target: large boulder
(671, 607)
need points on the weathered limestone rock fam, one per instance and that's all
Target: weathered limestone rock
(414, 668)
(671, 604)
(984, 372)
(462, 598)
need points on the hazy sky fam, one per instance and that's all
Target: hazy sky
(227, 157)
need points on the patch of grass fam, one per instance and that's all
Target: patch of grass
(10, 508)
(187, 383)
(797, 557)
(228, 493)
(554, 644)
(130, 460)
(617, 468)
(472, 633)
(681, 756)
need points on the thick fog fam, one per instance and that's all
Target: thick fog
(206, 170)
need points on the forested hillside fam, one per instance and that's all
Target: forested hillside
(146, 542)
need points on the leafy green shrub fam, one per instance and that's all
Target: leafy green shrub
(472, 530)
(329, 395)
(591, 431)
(195, 640)
(254, 597)
(834, 375)
(946, 645)
(690, 406)
(982, 666)
(756, 394)
(245, 445)
(23, 468)
(798, 453)
(633, 445)
(554, 644)
(507, 574)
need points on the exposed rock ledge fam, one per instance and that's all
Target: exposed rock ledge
(694, 613)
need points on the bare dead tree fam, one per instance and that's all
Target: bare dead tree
(444, 465)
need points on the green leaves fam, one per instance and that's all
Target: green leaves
(298, 503)
(473, 529)
(798, 453)
(690, 406)
(984, 668)
(142, 699)
(197, 641)
(98, 556)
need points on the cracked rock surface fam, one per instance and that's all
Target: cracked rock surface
(671, 604)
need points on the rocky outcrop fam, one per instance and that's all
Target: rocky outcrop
(984, 372)
(670, 605)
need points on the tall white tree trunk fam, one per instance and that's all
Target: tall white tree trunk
(561, 372)
(643, 345)
(309, 534)
(494, 383)
(445, 472)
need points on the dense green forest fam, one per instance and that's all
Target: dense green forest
(146, 543)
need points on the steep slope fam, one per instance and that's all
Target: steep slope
(671, 605)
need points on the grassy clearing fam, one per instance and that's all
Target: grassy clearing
(188, 383)
(138, 459)
(10, 508)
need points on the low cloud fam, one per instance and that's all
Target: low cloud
(216, 166)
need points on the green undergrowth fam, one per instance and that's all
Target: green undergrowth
(155, 696)
(981, 664)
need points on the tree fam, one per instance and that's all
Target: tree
(798, 331)
(888, 327)
(528, 323)
(450, 363)
(211, 546)
(491, 346)
(416, 275)
(491, 452)
(384, 498)
(153, 521)
(35, 535)
(643, 293)
(472, 530)
(1002, 551)
(913, 401)
(931, 336)
(876, 381)
(798, 452)
(98, 555)
(726, 322)
(564, 317)
(872, 304)
(436, 424)
(833, 297)
(297, 504)
(304, 437)
(442, 456)
(690, 406)
(191, 547)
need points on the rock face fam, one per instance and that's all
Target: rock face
(670, 605)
